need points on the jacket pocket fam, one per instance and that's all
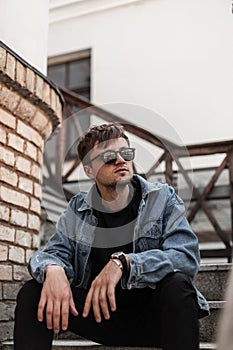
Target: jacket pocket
(150, 235)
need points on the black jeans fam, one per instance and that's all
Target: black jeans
(165, 317)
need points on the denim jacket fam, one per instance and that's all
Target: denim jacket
(163, 241)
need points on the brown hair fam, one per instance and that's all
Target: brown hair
(99, 134)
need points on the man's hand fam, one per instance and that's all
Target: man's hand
(103, 290)
(57, 298)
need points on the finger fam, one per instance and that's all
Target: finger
(87, 305)
(56, 316)
(65, 315)
(72, 307)
(96, 305)
(49, 315)
(40, 310)
(111, 297)
(103, 303)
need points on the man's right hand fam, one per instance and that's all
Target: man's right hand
(57, 298)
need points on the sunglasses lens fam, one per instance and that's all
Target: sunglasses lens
(127, 154)
(109, 157)
(111, 161)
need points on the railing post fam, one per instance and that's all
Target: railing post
(60, 151)
(168, 168)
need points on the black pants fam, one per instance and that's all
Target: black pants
(165, 317)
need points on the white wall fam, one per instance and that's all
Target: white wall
(24, 28)
(174, 57)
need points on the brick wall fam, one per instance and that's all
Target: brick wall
(30, 109)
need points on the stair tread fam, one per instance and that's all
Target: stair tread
(84, 343)
(216, 267)
(90, 343)
(216, 304)
(210, 346)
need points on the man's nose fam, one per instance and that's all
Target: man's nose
(119, 159)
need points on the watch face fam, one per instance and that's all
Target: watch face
(117, 254)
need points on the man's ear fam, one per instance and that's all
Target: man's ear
(89, 171)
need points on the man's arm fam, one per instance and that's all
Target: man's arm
(178, 249)
(58, 251)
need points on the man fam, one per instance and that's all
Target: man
(118, 269)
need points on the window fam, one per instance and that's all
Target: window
(72, 71)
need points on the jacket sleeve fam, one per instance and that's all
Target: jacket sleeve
(178, 250)
(58, 251)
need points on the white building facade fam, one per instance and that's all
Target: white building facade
(24, 28)
(173, 57)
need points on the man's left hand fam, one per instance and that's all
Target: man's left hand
(102, 291)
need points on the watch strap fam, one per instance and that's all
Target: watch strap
(121, 256)
(118, 263)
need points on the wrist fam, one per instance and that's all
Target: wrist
(52, 268)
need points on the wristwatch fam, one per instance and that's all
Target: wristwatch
(118, 263)
(120, 256)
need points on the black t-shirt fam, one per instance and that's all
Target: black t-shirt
(114, 231)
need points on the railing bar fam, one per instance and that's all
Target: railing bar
(168, 168)
(208, 188)
(208, 213)
(71, 170)
(151, 171)
(210, 150)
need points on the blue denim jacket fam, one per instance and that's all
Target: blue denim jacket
(163, 241)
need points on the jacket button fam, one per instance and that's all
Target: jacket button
(84, 253)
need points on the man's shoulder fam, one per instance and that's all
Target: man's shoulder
(77, 200)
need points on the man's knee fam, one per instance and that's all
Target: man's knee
(29, 293)
(176, 290)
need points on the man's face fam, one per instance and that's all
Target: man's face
(109, 175)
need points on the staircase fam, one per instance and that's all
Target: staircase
(211, 281)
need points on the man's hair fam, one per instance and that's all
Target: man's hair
(99, 135)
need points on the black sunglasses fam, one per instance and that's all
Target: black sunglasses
(110, 157)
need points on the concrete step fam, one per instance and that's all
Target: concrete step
(209, 325)
(212, 280)
(87, 345)
(210, 346)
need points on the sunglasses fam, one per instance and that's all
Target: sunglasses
(110, 157)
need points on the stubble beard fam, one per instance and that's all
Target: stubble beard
(119, 185)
